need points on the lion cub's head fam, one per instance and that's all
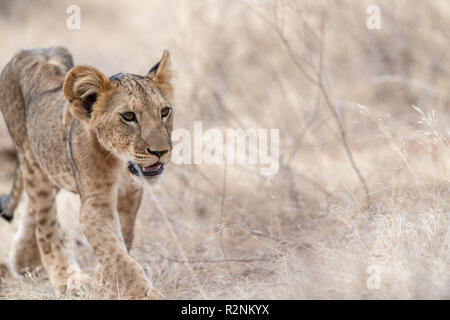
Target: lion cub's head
(132, 115)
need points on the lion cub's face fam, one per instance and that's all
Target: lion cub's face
(131, 115)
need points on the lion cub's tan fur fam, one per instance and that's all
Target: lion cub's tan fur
(67, 126)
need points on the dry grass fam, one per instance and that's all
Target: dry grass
(306, 232)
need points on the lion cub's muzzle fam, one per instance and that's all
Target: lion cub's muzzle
(150, 171)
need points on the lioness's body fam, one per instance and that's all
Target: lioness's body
(70, 133)
(40, 76)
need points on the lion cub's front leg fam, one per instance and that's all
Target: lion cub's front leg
(121, 276)
(128, 203)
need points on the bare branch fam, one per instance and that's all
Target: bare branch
(222, 205)
(318, 81)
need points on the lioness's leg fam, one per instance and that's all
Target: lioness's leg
(128, 203)
(25, 256)
(120, 275)
(50, 237)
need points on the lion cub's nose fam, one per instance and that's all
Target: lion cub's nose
(159, 154)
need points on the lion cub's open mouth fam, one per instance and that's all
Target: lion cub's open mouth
(153, 170)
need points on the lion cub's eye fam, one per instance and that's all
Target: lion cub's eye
(165, 112)
(128, 116)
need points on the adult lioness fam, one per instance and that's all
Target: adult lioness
(77, 130)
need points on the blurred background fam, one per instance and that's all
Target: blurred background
(363, 114)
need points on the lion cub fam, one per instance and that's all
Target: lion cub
(99, 137)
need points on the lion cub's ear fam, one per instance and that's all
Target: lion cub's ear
(82, 86)
(161, 75)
